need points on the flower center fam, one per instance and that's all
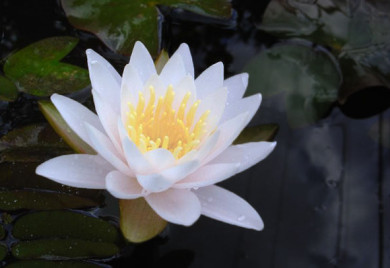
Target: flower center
(157, 124)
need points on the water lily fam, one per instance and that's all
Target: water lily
(166, 137)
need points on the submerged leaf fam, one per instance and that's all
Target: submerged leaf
(2, 232)
(62, 249)
(45, 224)
(138, 221)
(3, 251)
(119, 23)
(257, 133)
(37, 70)
(52, 264)
(8, 90)
(308, 77)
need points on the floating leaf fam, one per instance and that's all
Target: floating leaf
(45, 224)
(29, 199)
(257, 133)
(37, 70)
(63, 249)
(8, 90)
(62, 128)
(308, 77)
(138, 221)
(3, 251)
(51, 264)
(119, 23)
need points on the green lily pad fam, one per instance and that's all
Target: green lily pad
(309, 79)
(62, 128)
(3, 251)
(138, 221)
(41, 225)
(119, 23)
(51, 264)
(8, 90)
(257, 133)
(37, 70)
(63, 249)
(39, 200)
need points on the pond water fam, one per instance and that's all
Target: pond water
(323, 194)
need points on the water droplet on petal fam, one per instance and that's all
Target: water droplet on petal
(210, 199)
(195, 188)
(241, 218)
(94, 61)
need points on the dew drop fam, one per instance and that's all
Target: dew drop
(241, 218)
(195, 188)
(210, 199)
(94, 61)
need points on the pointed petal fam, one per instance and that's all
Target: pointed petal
(249, 104)
(176, 206)
(208, 175)
(223, 205)
(76, 115)
(173, 71)
(247, 154)
(185, 53)
(104, 80)
(102, 144)
(77, 170)
(236, 86)
(106, 114)
(210, 80)
(187, 84)
(131, 85)
(161, 181)
(122, 186)
(142, 61)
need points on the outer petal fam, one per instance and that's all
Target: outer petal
(142, 61)
(122, 186)
(161, 181)
(249, 104)
(131, 85)
(76, 115)
(106, 114)
(176, 206)
(185, 53)
(104, 80)
(223, 205)
(247, 154)
(210, 80)
(102, 144)
(77, 170)
(208, 175)
(236, 86)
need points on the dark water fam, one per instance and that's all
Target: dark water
(324, 193)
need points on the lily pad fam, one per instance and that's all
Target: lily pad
(138, 221)
(37, 70)
(8, 90)
(51, 264)
(257, 133)
(3, 251)
(119, 23)
(62, 249)
(39, 200)
(41, 225)
(308, 77)
(62, 128)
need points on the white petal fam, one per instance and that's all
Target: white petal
(229, 132)
(135, 159)
(76, 115)
(207, 175)
(122, 186)
(208, 81)
(160, 158)
(141, 60)
(162, 180)
(249, 104)
(131, 85)
(223, 205)
(185, 53)
(236, 86)
(159, 87)
(104, 81)
(102, 144)
(176, 206)
(247, 154)
(173, 71)
(186, 85)
(106, 114)
(77, 170)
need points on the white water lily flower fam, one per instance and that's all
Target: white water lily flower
(165, 137)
